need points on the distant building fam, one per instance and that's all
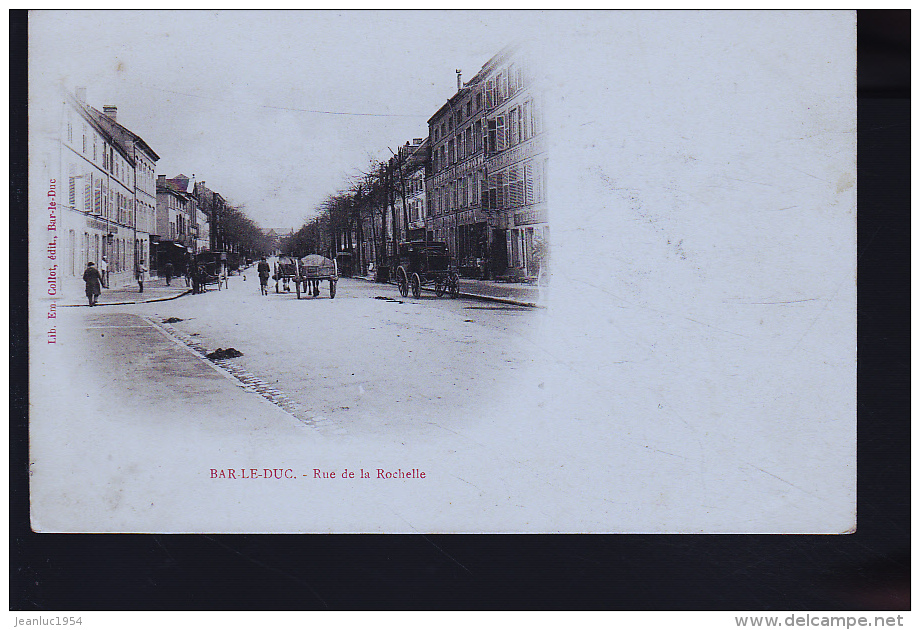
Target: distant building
(211, 209)
(273, 237)
(107, 203)
(176, 211)
(414, 159)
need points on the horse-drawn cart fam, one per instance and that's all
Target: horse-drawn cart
(426, 262)
(285, 271)
(208, 269)
(306, 274)
(313, 269)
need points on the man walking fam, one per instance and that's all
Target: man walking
(93, 279)
(168, 270)
(264, 272)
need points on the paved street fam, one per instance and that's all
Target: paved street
(368, 361)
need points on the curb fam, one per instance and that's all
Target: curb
(165, 299)
(475, 296)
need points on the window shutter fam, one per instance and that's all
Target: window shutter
(528, 184)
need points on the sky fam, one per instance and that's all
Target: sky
(275, 110)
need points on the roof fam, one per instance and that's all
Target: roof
(487, 67)
(121, 136)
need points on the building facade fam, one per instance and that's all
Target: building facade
(486, 190)
(414, 162)
(175, 212)
(515, 163)
(107, 205)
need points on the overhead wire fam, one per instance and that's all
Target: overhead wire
(290, 109)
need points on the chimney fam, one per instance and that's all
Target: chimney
(459, 82)
(81, 94)
(111, 111)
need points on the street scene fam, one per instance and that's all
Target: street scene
(385, 279)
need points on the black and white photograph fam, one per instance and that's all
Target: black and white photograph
(442, 272)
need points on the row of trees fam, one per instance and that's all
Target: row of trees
(372, 210)
(238, 233)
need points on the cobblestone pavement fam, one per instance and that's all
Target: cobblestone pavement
(249, 381)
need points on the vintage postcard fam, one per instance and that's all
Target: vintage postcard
(486, 272)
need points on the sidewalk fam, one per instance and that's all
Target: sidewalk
(517, 293)
(155, 290)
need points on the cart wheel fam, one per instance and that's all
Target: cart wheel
(297, 284)
(453, 285)
(402, 281)
(416, 286)
(332, 289)
(439, 288)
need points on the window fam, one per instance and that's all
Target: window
(514, 187)
(542, 188)
(478, 101)
(513, 127)
(476, 194)
(500, 133)
(525, 121)
(84, 139)
(450, 151)
(490, 94)
(537, 116)
(97, 200)
(469, 108)
(490, 141)
(492, 201)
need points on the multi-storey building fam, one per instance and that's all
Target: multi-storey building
(515, 161)
(107, 206)
(413, 160)
(211, 207)
(486, 190)
(175, 222)
(454, 212)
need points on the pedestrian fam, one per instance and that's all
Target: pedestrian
(202, 278)
(168, 270)
(141, 276)
(93, 279)
(188, 273)
(104, 272)
(264, 272)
